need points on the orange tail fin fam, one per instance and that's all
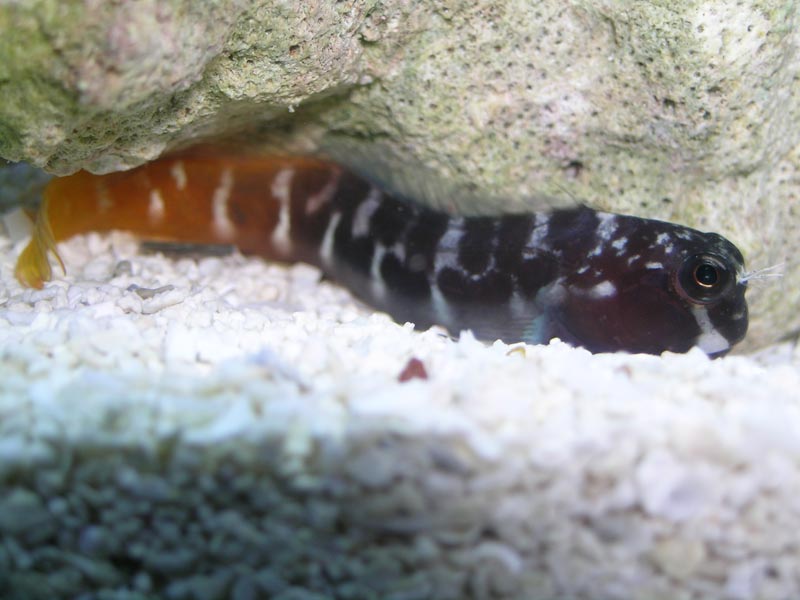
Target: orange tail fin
(201, 199)
(33, 265)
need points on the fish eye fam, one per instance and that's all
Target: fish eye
(703, 278)
(706, 275)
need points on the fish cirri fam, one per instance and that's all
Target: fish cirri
(603, 281)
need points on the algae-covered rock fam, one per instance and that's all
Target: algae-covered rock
(686, 111)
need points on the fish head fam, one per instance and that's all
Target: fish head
(669, 289)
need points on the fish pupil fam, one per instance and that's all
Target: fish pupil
(706, 275)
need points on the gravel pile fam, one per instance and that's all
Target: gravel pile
(219, 427)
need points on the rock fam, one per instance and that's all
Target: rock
(687, 112)
(23, 513)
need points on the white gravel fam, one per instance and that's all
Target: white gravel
(241, 432)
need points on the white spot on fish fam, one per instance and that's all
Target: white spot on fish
(282, 192)
(538, 235)
(104, 201)
(376, 279)
(653, 265)
(581, 270)
(597, 250)
(223, 226)
(607, 226)
(447, 249)
(604, 289)
(322, 197)
(665, 240)
(620, 244)
(710, 340)
(178, 173)
(633, 259)
(326, 247)
(155, 210)
(364, 213)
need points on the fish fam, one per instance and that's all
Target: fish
(598, 280)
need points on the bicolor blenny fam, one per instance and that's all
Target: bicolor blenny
(603, 281)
